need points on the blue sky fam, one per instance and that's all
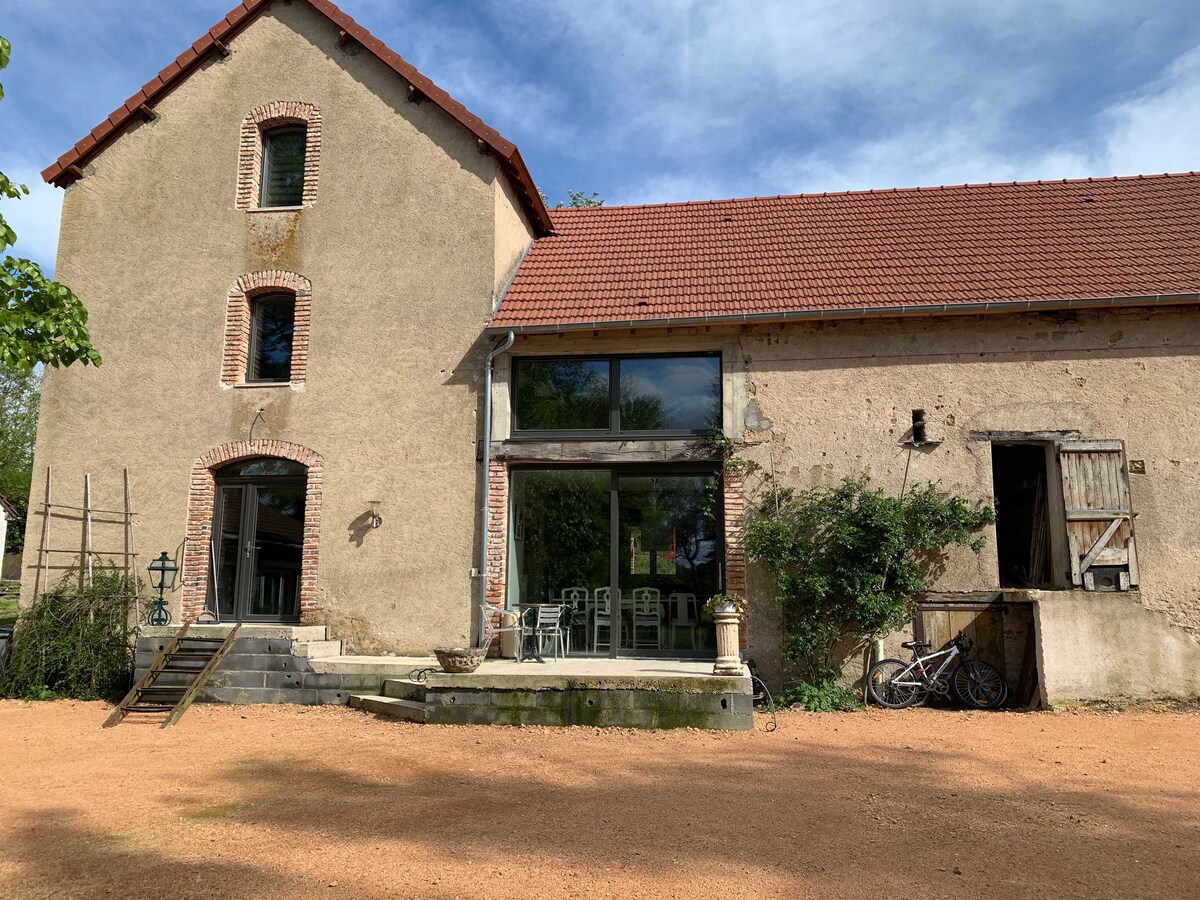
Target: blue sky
(654, 100)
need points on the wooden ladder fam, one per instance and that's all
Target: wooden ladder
(197, 657)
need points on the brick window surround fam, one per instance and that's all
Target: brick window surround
(197, 557)
(497, 535)
(236, 357)
(250, 147)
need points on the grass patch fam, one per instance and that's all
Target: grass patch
(8, 613)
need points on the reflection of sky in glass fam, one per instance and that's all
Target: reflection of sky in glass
(689, 389)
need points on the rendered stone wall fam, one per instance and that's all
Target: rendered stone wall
(403, 243)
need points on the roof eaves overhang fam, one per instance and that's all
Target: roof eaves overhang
(68, 168)
(867, 312)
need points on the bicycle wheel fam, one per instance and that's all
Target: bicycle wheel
(883, 689)
(980, 685)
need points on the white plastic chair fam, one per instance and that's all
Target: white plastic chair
(647, 615)
(684, 613)
(575, 614)
(604, 616)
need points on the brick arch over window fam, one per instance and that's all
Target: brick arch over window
(197, 552)
(237, 322)
(250, 148)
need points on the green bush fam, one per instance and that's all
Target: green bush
(825, 697)
(75, 642)
(849, 561)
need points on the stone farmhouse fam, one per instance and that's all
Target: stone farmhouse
(361, 377)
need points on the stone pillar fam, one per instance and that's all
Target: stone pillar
(728, 662)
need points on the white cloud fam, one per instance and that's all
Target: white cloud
(1158, 130)
(34, 218)
(1155, 130)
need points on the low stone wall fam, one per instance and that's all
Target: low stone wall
(1108, 646)
(724, 703)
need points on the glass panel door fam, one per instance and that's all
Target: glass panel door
(274, 590)
(559, 549)
(258, 541)
(669, 562)
(227, 549)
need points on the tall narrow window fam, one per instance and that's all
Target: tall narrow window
(273, 321)
(283, 166)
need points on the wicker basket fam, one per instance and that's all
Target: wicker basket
(460, 659)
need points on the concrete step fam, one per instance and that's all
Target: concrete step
(410, 710)
(317, 649)
(403, 689)
(248, 630)
(384, 666)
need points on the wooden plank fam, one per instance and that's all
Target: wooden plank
(200, 680)
(37, 575)
(1089, 515)
(1087, 561)
(145, 681)
(1073, 542)
(1112, 556)
(1101, 446)
(1131, 550)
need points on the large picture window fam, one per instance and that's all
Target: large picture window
(645, 396)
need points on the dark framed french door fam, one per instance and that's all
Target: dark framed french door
(632, 551)
(258, 539)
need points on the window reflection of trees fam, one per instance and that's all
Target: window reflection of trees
(565, 519)
(273, 337)
(671, 517)
(562, 394)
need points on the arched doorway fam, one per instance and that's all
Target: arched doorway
(258, 539)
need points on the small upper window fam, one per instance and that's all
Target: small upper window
(273, 320)
(283, 166)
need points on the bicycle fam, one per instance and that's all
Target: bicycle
(897, 684)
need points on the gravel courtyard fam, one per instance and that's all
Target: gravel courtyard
(275, 802)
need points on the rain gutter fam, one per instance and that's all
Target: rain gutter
(866, 312)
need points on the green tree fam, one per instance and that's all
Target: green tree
(575, 200)
(41, 321)
(19, 394)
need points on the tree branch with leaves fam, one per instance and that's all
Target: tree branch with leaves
(41, 321)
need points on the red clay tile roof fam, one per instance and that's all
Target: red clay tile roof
(67, 168)
(971, 248)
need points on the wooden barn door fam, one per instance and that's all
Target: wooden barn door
(1002, 632)
(1099, 515)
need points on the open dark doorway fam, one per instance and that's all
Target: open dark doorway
(1023, 490)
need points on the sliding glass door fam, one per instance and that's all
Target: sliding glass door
(631, 554)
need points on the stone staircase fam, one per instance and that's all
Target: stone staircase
(281, 664)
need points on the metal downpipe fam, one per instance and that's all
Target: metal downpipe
(487, 481)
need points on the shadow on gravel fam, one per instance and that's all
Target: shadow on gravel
(667, 805)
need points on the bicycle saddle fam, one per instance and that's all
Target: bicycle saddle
(915, 645)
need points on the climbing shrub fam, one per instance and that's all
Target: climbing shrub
(75, 641)
(848, 562)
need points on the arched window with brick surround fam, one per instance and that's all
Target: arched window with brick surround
(267, 318)
(267, 472)
(279, 156)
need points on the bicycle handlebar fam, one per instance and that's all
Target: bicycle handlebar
(964, 643)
